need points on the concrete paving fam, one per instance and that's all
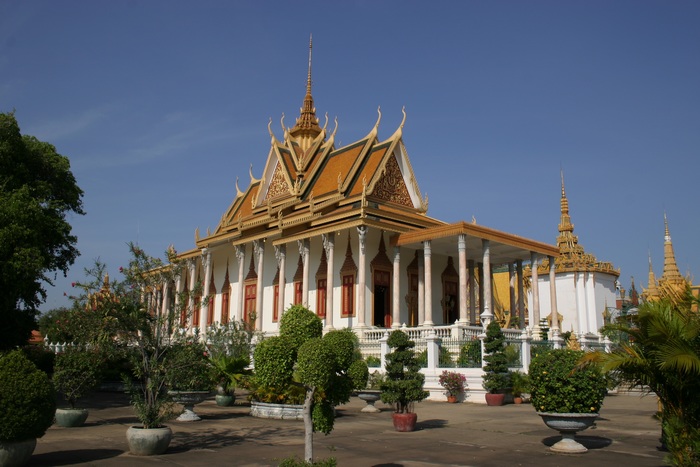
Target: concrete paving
(465, 434)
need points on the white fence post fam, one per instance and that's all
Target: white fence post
(525, 340)
(433, 344)
(383, 349)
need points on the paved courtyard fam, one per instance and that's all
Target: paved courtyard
(464, 434)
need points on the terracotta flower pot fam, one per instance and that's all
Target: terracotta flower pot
(452, 399)
(494, 399)
(404, 421)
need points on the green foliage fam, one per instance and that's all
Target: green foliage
(75, 373)
(453, 382)
(296, 462)
(316, 363)
(375, 380)
(520, 383)
(274, 362)
(323, 417)
(299, 324)
(38, 193)
(188, 367)
(659, 350)
(470, 355)
(40, 356)
(404, 381)
(229, 347)
(359, 374)
(496, 376)
(127, 319)
(27, 399)
(444, 358)
(55, 325)
(559, 384)
(373, 362)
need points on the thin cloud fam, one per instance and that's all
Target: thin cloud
(70, 125)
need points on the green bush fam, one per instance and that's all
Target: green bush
(470, 355)
(404, 381)
(496, 375)
(188, 366)
(76, 373)
(40, 356)
(558, 384)
(444, 359)
(299, 324)
(296, 462)
(373, 362)
(27, 398)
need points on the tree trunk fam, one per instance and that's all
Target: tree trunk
(308, 426)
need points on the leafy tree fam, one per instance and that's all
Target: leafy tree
(127, 318)
(302, 356)
(37, 193)
(661, 354)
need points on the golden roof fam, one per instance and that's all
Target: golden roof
(572, 256)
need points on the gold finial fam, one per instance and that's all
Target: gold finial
(403, 120)
(308, 79)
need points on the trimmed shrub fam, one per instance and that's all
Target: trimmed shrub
(560, 385)
(27, 398)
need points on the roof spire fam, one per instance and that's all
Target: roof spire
(306, 127)
(671, 273)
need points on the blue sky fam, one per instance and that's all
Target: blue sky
(161, 105)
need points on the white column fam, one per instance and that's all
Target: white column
(421, 291)
(240, 254)
(179, 285)
(535, 311)
(259, 248)
(204, 310)
(304, 252)
(553, 295)
(281, 255)
(192, 268)
(329, 245)
(521, 293)
(472, 293)
(428, 269)
(463, 277)
(511, 290)
(396, 293)
(166, 301)
(362, 278)
(486, 316)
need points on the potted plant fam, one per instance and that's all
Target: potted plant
(229, 347)
(75, 376)
(520, 383)
(496, 379)
(128, 318)
(27, 405)
(454, 384)
(566, 394)
(404, 381)
(188, 374)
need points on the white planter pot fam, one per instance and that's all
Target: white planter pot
(71, 417)
(148, 442)
(16, 453)
(277, 411)
(568, 424)
(188, 399)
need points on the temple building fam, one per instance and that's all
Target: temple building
(585, 288)
(345, 231)
(671, 284)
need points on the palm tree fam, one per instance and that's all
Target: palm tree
(662, 356)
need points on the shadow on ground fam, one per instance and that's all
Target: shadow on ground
(58, 458)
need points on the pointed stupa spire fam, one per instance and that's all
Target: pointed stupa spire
(671, 273)
(567, 241)
(306, 127)
(652, 292)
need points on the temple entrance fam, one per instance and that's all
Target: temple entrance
(382, 299)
